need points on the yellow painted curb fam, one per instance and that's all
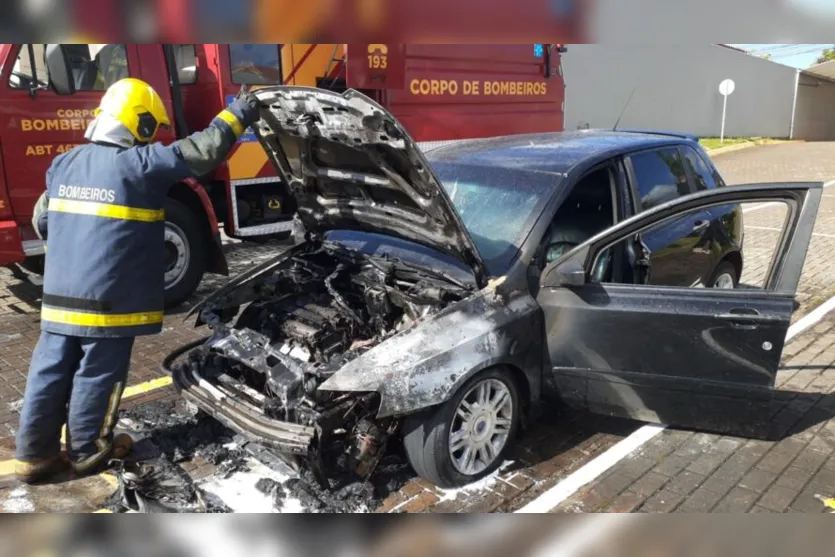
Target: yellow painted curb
(146, 387)
(112, 480)
(6, 467)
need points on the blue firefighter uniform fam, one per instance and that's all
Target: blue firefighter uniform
(104, 281)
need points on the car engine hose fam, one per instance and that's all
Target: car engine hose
(168, 362)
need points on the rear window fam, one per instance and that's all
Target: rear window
(706, 178)
(255, 64)
(660, 176)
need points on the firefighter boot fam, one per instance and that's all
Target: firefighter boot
(120, 447)
(39, 470)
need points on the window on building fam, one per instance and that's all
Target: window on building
(30, 69)
(659, 176)
(255, 64)
(185, 56)
(95, 67)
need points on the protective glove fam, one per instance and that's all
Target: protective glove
(247, 108)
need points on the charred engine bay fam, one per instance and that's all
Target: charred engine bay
(316, 311)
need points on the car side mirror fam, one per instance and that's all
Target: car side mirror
(60, 71)
(570, 273)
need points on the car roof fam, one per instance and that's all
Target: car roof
(555, 153)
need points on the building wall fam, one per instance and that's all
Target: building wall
(677, 88)
(815, 114)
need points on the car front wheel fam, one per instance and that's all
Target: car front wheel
(466, 438)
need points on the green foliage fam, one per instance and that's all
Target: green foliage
(827, 55)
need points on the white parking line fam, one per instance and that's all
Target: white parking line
(759, 206)
(591, 470)
(771, 229)
(773, 203)
(598, 466)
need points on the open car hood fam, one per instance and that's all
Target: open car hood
(350, 165)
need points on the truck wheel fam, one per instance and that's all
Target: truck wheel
(467, 437)
(186, 253)
(34, 264)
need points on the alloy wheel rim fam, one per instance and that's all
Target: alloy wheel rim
(724, 281)
(481, 426)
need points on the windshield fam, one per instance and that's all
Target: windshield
(498, 206)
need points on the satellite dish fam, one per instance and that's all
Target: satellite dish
(727, 87)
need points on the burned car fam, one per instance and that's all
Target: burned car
(426, 305)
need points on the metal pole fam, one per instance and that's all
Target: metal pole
(724, 111)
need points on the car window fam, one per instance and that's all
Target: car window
(498, 207)
(702, 174)
(255, 64)
(659, 176)
(670, 254)
(29, 69)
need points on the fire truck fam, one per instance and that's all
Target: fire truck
(439, 92)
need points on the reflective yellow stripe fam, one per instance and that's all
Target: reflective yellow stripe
(104, 210)
(112, 410)
(100, 320)
(92, 460)
(233, 122)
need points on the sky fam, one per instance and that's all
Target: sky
(795, 55)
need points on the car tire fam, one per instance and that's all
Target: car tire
(186, 252)
(426, 436)
(724, 276)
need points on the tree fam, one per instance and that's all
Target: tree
(827, 55)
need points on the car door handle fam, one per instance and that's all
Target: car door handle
(700, 225)
(750, 318)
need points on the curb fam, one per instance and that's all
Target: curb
(730, 148)
(740, 146)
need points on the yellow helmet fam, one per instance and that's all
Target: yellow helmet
(137, 106)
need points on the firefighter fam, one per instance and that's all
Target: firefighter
(104, 281)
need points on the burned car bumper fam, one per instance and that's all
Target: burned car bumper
(230, 407)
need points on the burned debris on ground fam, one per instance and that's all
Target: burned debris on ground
(169, 435)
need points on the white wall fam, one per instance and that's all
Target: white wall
(815, 115)
(676, 88)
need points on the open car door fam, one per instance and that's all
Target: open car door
(690, 357)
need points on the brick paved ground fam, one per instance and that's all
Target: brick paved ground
(677, 470)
